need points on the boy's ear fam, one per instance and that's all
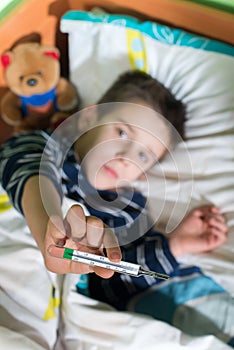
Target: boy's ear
(87, 118)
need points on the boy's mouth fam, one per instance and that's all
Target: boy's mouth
(110, 172)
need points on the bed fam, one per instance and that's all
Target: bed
(194, 58)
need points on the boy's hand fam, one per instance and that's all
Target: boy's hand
(202, 230)
(80, 232)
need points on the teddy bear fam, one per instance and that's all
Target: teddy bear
(37, 97)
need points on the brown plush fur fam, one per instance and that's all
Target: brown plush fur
(32, 69)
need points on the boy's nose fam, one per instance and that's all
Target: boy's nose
(126, 157)
(122, 158)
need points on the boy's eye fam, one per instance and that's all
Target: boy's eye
(143, 157)
(123, 134)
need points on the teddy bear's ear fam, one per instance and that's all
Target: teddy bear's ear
(6, 59)
(52, 52)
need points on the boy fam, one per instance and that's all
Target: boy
(118, 145)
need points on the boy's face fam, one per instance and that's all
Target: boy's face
(123, 145)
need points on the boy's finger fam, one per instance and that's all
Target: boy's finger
(207, 210)
(111, 244)
(219, 218)
(104, 273)
(219, 237)
(221, 226)
(202, 211)
(77, 222)
(94, 231)
(56, 230)
(215, 210)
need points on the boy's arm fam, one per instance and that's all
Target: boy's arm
(48, 227)
(34, 211)
(20, 166)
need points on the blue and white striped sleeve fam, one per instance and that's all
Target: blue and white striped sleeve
(21, 158)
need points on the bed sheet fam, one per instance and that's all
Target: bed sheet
(29, 294)
(29, 312)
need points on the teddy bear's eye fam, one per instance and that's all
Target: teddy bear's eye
(39, 73)
(21, 77)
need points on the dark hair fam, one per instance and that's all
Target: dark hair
(134, 85)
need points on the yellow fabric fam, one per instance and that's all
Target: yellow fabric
(53, 303)
(4, 203)
(136, 50)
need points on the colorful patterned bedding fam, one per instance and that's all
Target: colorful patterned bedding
(159, 32)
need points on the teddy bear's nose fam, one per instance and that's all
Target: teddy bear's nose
(32, 82)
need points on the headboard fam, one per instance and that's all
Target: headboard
(44, 16)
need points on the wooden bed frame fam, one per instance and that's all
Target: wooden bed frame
(44, 16)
